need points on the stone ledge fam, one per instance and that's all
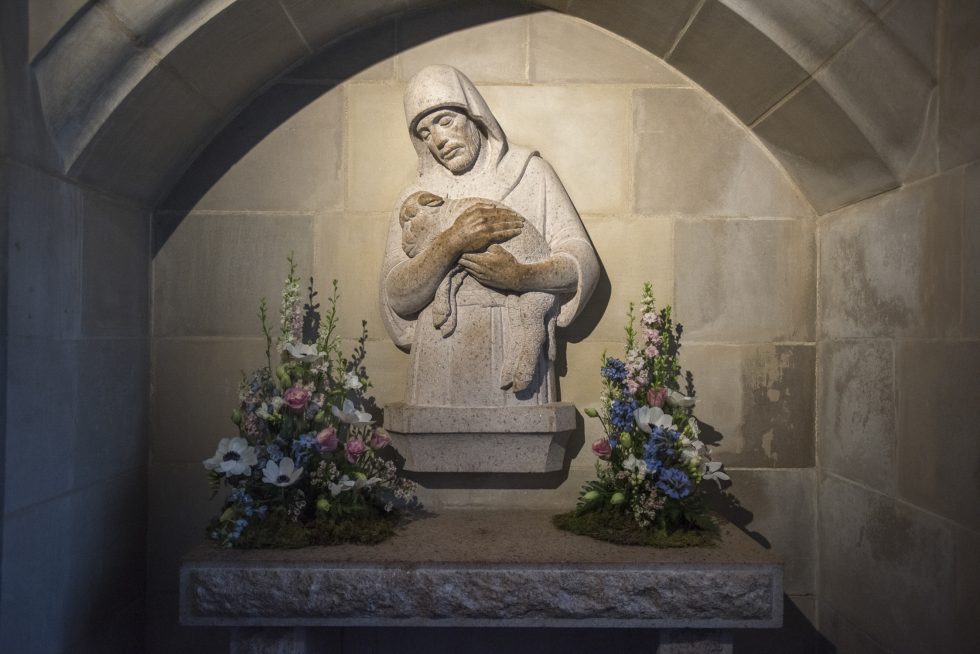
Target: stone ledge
(522, 439)
(486, 568)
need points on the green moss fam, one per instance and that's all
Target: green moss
(277, 531)
(274, 531)
(361, 530)
(618, 527)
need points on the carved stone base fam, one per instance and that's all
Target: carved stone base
(481, 439)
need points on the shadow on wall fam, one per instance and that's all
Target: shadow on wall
(343, 58)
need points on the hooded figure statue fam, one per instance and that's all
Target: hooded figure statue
(490, 191)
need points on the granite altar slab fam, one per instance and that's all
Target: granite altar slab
(486, 568)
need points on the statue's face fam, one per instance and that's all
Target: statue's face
(452, 138)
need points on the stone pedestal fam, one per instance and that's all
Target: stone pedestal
(484, 569)
(481, 439)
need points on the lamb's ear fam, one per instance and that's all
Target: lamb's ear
(427, 199)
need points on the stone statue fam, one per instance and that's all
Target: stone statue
(486, 255)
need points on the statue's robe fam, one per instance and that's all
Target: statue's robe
(464, 368)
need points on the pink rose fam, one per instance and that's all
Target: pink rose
(656, 396)
(379, 439)
(602, 449)
(326, 439)
(296, 398)
(354, 449)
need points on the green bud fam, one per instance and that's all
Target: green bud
(282, 371)
(323, 504)
(236, 417)
(592, 413)
(228, 515)
(617, 498)
(626, 441)
(591, 495)
(319, 417)
(360, 476)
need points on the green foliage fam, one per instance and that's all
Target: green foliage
(614, 526)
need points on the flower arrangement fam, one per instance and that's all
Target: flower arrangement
(307, 466)
(651, 460)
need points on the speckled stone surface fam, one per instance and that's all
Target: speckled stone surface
(486, 568)
(481, 439)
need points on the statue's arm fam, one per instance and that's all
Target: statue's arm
(412, 284)
(570, 268)
(499, 268)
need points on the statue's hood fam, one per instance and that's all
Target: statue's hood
(498, 168)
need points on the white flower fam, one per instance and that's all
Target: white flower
(281, 474)
(712, 470)
(303, 352)
(679, 400)
(351, 381)
(234, 456)
(648, 417)
(636, 466)
(276, 402)
(350, 415)
(345, 483)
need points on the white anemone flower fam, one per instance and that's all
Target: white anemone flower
(648, 417)
(712, 470)
(234, 456)
(303, 352)
(350, 415)
(285, 473)
(352, 381)
(679, 400)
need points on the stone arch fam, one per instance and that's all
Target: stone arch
(846, 97)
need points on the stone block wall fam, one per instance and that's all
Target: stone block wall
(671, 186)
(74, 321)
(898, 394)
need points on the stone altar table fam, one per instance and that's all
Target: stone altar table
(466, 568)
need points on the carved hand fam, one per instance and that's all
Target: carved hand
(482, 225)
(497, 268)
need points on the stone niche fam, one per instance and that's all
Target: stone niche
(670, 187)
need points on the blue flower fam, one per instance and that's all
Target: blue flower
(674, 483)
(301, 447)
(614, 370)
(621, 414)
(275, 454)
(660, 449)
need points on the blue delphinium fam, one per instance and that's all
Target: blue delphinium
(274, 452)
(614, 370)
(301, 447)
(621, 414)
(674, 483)
(659, 449)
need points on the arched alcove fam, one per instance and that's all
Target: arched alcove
(112, 101)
